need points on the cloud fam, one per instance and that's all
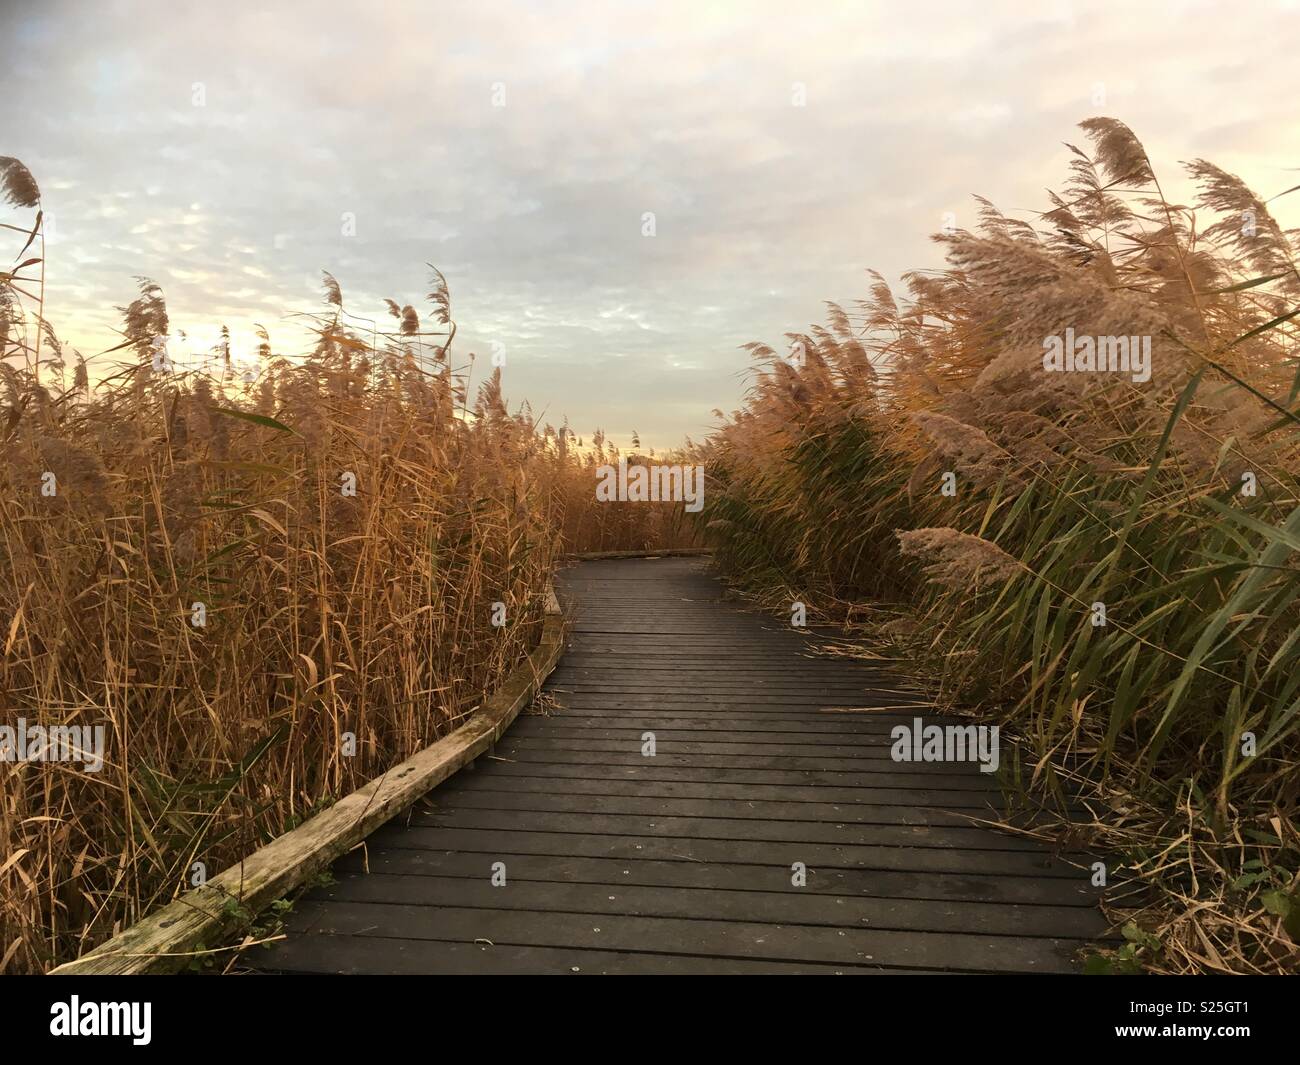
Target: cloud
(763, 209)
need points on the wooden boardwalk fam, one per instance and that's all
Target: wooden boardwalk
(617, 862)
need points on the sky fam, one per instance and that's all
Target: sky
(232, 151)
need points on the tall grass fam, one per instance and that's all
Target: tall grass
(257, 638)
(1074, 489)
(616, 525)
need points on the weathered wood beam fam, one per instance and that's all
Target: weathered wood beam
(166, 940)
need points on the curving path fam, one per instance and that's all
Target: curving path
(618, 862)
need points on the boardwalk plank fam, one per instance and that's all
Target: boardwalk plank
(712, 806)
(745, 852)
(791, 906)
(875, 883)
(652, 788)
(723, 939)
(698, 826)
(351, 955)
(557, 767)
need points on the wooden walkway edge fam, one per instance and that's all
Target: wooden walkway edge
(652, 811)
(164, 941)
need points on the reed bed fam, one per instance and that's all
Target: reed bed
(268, 586)
(617, 525)
(1104, 565)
